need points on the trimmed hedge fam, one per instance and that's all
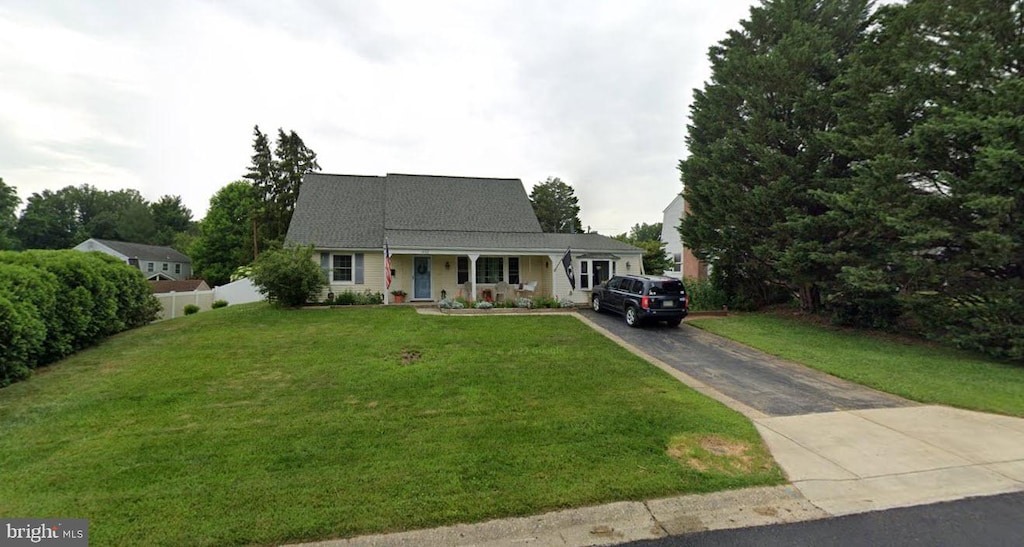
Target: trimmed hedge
(53, 303)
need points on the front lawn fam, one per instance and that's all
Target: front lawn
(250, 425)
(916, 370)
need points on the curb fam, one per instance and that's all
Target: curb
(613, 523)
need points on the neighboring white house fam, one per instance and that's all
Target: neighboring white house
(154, 261)
(686, 265)
(474, 237)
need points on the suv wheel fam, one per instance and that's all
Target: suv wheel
(632, 319)
(596, 302)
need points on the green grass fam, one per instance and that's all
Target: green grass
(251, 425)
(915, 370)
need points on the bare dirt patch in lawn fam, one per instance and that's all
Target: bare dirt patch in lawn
(410, 356)
(715, 453)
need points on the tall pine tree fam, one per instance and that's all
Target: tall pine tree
(276, 179)
(758, 152)
(933, 107)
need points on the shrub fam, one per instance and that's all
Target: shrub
(566, 302)
(219, 304)
(989, 321)
(545, 302)
(191, 309)
(524, 302)
(450, 303)
(68, 300)
(350, 298)
(21, 336)
(704, 295)
(484, 305)
(288, 277)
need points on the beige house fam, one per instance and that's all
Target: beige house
(447, 236)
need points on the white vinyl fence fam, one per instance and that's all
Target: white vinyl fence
(173, 304)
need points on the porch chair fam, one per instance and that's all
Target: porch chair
(527, 288)
(502, 291)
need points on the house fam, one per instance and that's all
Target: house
(447, 237)
(686, 265)
(183, 285)
(155, 262)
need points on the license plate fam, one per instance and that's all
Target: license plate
(668, 304)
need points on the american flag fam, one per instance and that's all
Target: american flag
(387, 266)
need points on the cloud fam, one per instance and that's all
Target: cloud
(162, 97)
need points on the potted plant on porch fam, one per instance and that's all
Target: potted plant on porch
(399, 295)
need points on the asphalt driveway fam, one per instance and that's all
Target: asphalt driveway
(769, 385)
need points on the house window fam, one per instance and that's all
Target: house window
(165, 266)
(513, 270)
(342, 270)
(177, 268)
(149, 266)
(595, 272)
(462, 269)
(490, 269)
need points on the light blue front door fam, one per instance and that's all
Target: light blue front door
(421, 277)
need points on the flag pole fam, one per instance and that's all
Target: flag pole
(387, 270)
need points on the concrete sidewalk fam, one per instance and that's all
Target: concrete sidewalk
(866, 460)
(839, 463)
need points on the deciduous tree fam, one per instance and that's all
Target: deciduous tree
(9, 202)
(225, 234)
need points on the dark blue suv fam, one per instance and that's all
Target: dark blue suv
(641, 298)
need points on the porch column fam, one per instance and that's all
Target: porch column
(472, 274)
(556, 264)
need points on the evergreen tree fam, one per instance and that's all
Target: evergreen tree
(294, 160)
(555, 204)
(759, 153)
(277, 179)
(262, 174)
(932, 106)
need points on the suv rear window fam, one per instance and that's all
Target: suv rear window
(659, 288)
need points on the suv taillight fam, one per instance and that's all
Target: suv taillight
(686, 302)
(645, 302)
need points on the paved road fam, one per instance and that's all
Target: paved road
(772, 386)
(989, 521)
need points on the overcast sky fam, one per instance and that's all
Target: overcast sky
(162, 96)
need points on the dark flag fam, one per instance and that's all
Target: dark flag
(567, 264)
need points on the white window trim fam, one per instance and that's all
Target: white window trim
(352, 268)
(589, 285)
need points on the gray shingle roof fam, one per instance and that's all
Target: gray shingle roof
(339, 212)
(428, 212)
(418, 202)
(145, 252)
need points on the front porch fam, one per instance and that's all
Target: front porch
(432, 277)
(429, 277)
